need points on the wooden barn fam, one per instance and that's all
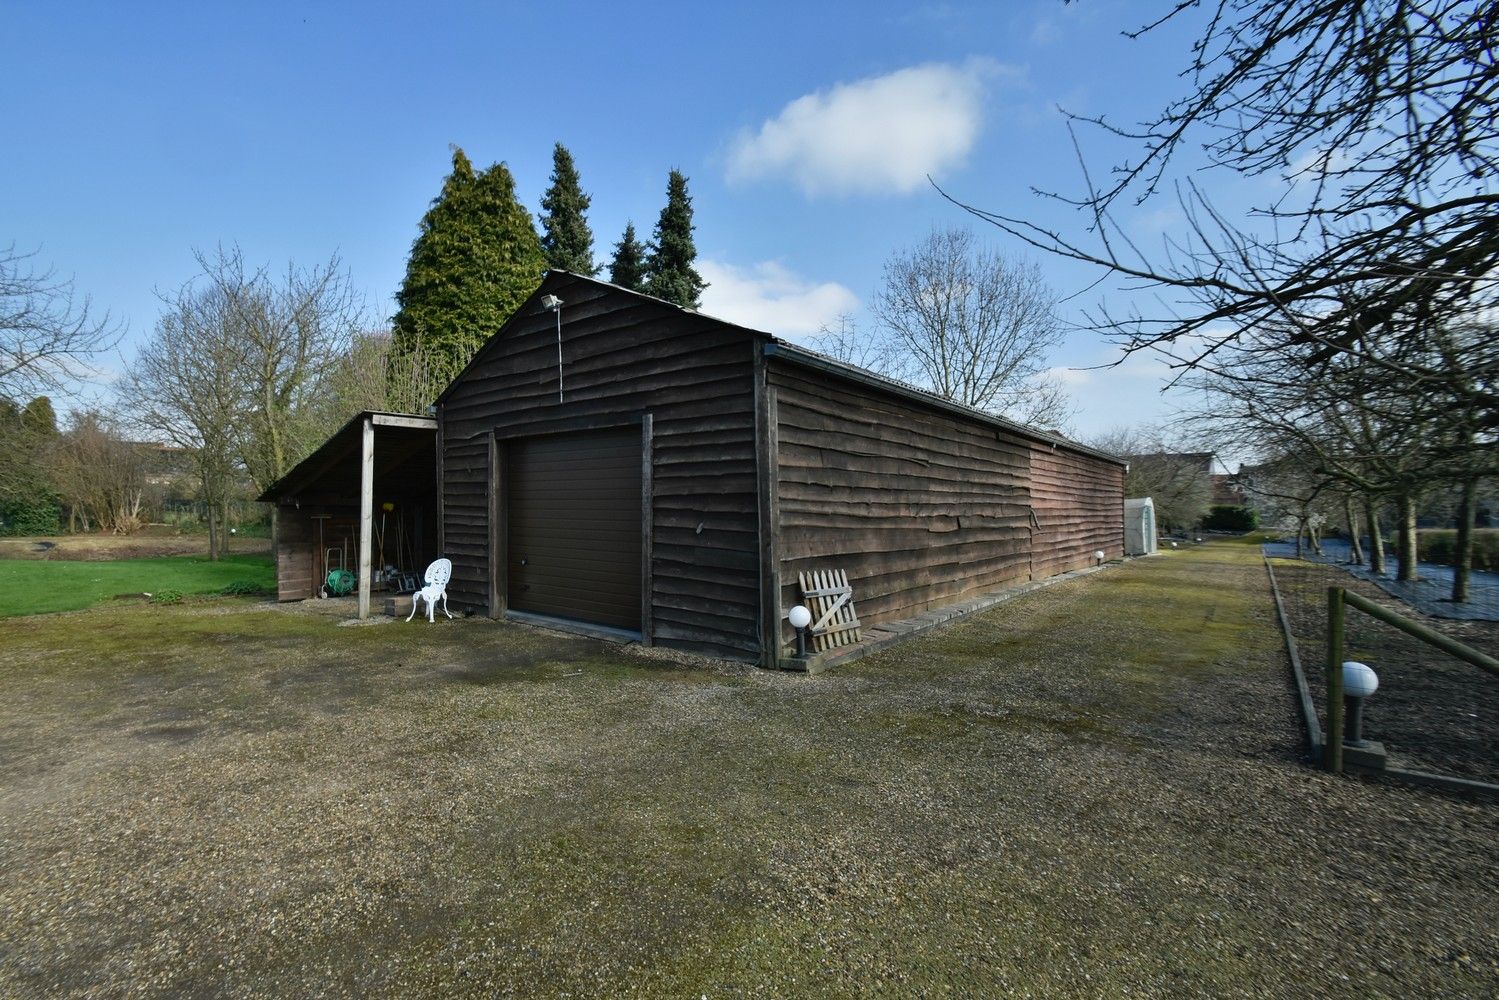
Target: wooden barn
(611, 459)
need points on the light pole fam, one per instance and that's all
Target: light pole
(800, 618)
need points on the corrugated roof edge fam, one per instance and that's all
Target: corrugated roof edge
(821, 362)
(273, 491)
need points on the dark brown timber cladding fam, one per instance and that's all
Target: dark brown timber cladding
(919, 508)
(624, 356)
(1079, 504)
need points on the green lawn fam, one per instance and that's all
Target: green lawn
(34, 586)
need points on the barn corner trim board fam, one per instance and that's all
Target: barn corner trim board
(762, 459)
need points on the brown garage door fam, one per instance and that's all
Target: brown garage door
(574, 532)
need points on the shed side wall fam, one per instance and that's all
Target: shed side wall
(294, 558)
(624, 357)
(920, 509)
(1079, 504)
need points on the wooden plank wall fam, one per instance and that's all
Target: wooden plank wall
(625, 356)
(920, 508)
(297, 561)
(1079, 504)
(295, 538)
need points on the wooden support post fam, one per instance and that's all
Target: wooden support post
(768, 489)
(647, 529)
(366, 513)
(498, 557)
(1333, 749)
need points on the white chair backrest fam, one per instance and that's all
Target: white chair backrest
(439, 573)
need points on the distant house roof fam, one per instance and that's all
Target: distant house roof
(1202, 460)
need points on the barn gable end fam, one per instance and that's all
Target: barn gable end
(685, 383)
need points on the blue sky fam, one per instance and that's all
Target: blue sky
(137, 132)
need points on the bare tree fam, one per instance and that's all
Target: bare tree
(971, 325)
(239, 366)
(185, 385)
(47, 333)
(1380, 117)
(1178, 479)
(1357, 433)
(371, 376)
(844, 341)
(102, 476)
(290, 335)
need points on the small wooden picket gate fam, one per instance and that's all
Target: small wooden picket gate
(831, 600)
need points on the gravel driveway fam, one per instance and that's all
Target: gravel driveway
(1092, 791)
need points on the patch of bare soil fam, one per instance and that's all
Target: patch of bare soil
(104, 548)
(1432, 711)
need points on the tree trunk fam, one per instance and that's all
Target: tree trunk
(1355, 544)
(1376, 538)
(1462, 558)
(1314, 532)
(1300, 532)
(213, 535)
(1407, 540)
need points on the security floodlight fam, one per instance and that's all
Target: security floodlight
(800, 618)
(551, 302)
(1359, 682)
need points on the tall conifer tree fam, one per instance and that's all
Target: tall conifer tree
(628, 267)
(474, 261)
(669, 271)
(565, 237)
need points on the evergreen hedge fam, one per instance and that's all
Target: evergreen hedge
(37, 515)
(1440, 546)
(1223, 517)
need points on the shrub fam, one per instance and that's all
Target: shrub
(167, 597)
(243, 588)
(29, 515)
(1223, 517)
(1440, 546)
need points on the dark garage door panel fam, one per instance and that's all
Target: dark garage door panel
(575, 521)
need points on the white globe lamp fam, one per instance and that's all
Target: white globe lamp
(800, 618)
(1359, 682)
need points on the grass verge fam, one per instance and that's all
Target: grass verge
(35, 586)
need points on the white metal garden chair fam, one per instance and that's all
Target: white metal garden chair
(436, 579)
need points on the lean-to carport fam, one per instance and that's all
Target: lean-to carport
(377, 465)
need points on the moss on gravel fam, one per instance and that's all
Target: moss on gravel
(1093, 790)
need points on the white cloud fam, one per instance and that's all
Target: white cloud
(1071, 377)
(768, 297)
(880, 135)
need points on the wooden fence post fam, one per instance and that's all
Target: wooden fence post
(1333, 749)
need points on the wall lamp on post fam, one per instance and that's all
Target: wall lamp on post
(553, 304)
(800, 618)
(1098, 557)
